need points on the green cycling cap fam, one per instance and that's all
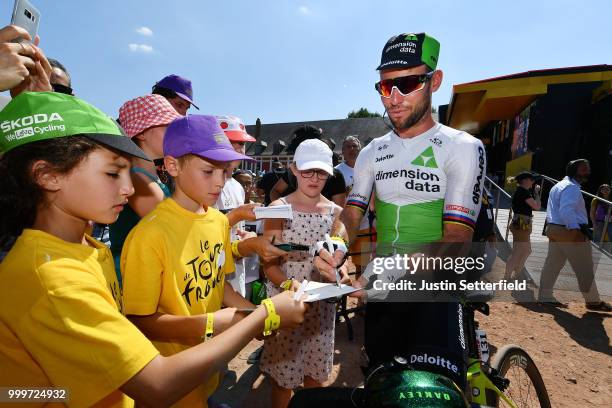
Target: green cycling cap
(34, 116)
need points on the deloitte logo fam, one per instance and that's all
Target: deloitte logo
(434, 360)
(426, 159)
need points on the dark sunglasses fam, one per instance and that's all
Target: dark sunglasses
(62, 89)
(405, 85)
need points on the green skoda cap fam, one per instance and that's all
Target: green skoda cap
(34, 116)
(410, 50)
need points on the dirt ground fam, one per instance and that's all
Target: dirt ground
(571, 348)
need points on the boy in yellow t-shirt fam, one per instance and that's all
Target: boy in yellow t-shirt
(175, 260)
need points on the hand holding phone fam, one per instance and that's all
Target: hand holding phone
(17, 60)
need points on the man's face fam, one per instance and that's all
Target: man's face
(246, 181)
(179, 104)
(239, 147)
(350, 150)
(583, 172)
(406, 111)
(59, 77)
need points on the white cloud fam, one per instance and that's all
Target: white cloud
(143, 48)
(146, 31)
(303, 10)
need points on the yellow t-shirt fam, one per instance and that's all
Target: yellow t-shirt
(61, 322)
(174, 262)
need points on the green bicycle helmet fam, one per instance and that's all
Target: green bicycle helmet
(393, 388)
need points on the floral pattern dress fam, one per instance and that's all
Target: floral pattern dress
(307, 350)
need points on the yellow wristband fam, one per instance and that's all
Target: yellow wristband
(286, 285)
(272, 322)
(210, 324)
(235, 251)
(339, 239)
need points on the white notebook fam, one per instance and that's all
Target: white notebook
(276, 211)
(316, 291)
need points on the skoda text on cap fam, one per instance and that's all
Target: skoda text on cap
(410, 50)
(144, 112)
(202, 136)
(35, 116)
(234, 129)
(314, 154)
(181, 86)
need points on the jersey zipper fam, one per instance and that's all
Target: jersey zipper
(397, 216)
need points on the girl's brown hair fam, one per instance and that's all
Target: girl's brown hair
(20, 194)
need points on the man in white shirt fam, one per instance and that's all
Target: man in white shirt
(351, 146)
(567, 223)
(232, 197)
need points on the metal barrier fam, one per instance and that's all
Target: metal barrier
(493, 186)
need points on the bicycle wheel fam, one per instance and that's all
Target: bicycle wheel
(526, 387)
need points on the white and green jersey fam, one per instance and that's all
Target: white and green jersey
(421, 182)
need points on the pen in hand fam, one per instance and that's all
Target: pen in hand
(300, 291)
(330, 246)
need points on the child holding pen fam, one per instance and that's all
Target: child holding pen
(305, 355)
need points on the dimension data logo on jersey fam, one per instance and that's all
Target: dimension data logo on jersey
(426, 159)
(417, 180)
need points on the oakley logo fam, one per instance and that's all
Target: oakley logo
(9, 125)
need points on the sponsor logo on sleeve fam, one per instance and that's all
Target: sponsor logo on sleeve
(476, 190)
(461, 209)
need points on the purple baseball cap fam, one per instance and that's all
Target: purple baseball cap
(181, 86)
(200, 135)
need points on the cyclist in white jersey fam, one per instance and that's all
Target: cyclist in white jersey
(428, 181)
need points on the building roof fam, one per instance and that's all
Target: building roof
(365, 129)
(474, 104)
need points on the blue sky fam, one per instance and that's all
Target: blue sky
(290, 61)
